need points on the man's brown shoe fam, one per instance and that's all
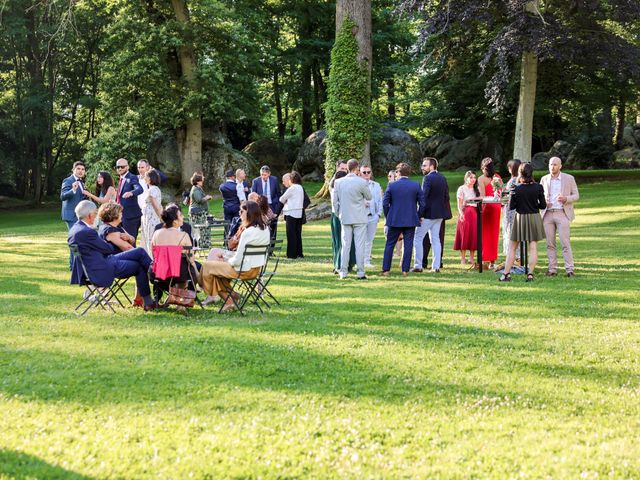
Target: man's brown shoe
(550, 274)
(416, 270)
(570, 274)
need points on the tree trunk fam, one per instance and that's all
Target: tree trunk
(391, 100)
(620, 120)
(307, 112)
(360, 12)
(276, 96)
(191, 146)
(526, 101)
(319, 94)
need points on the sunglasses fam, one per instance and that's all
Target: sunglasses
(366, 172)
(120, 167)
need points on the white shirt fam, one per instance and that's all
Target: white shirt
(266, 191)
(293, 200)
(142, 198)
(240, 191)
(555, 190)
(251, 236)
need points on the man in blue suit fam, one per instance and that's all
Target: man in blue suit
(97, 255)
(267, 185)
(402, 202)
(127, 193)
(230, 198)
(436, 194)
(71, 193)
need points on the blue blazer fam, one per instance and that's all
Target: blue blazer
(95, 254)
(229, 193)
(436, 196)
(70, 200)
(130, 207)
(402, 203)
(274, 188)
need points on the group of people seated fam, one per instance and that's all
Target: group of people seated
(110, 252)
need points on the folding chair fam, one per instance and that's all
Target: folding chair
(245, 288)
(267, 273)
(97, 296)
(219, 233)
(186, 275)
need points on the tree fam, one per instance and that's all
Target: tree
(348, 109)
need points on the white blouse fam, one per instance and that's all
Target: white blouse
(251, 236)
(293, 200)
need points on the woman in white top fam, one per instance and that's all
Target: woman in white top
(293, 201)
(215, 275)
(152, 210)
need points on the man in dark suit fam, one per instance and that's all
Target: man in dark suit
(436, 194)
(402, 202)
(127, 192)
(230, 199)
(97, 255)
(71, 193)
(267, 185)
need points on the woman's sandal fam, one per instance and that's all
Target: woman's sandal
(529, 277)
(505, 277)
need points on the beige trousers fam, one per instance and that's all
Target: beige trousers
(215, 276)
(553, 222)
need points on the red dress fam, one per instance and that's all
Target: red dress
(467, 229)
(490, 227)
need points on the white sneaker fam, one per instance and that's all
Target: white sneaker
(368, 265)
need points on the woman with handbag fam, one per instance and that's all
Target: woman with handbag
(215, 275)
(293, 201)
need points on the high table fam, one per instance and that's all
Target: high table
(493, 201)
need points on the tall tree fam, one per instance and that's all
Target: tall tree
(189, 136)
(348, 109)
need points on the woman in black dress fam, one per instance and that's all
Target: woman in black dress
(527, 200)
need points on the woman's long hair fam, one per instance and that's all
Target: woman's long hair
(476, 190)
(107, 182)
(254, 217)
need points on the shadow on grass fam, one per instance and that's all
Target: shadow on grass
(21, 466)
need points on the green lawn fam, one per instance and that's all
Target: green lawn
(449, 376)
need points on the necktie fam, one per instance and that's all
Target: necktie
(119, 188)
(265, 191)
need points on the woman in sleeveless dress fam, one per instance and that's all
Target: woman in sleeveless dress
(490, 214)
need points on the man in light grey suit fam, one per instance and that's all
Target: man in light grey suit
(351, 200)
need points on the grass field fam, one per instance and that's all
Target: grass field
(449, 376)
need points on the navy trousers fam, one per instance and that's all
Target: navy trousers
(131, 225)
(133, 263)
(393, 233)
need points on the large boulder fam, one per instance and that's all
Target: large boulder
(430, 145)
(268, 152)
(561, 149)
(395, 146)
(217, 160)
(218, 156)
(162, 153)
(627, 158)
(310, 161)
(631, 136)
(453, 154)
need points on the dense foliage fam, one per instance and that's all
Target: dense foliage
(348, 108)
(94, 79)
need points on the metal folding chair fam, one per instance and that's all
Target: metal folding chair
(244, 289)
(97, 296)
(267, 273)
(160, 286)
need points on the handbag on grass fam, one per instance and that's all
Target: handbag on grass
(181, 296)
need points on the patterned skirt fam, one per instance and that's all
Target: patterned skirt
(527, 227)
(205, 233)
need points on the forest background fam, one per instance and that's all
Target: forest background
(99, 79)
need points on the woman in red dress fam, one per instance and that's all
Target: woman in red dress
(467, 226)
(490, 213)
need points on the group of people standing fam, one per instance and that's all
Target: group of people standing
(416, 215)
